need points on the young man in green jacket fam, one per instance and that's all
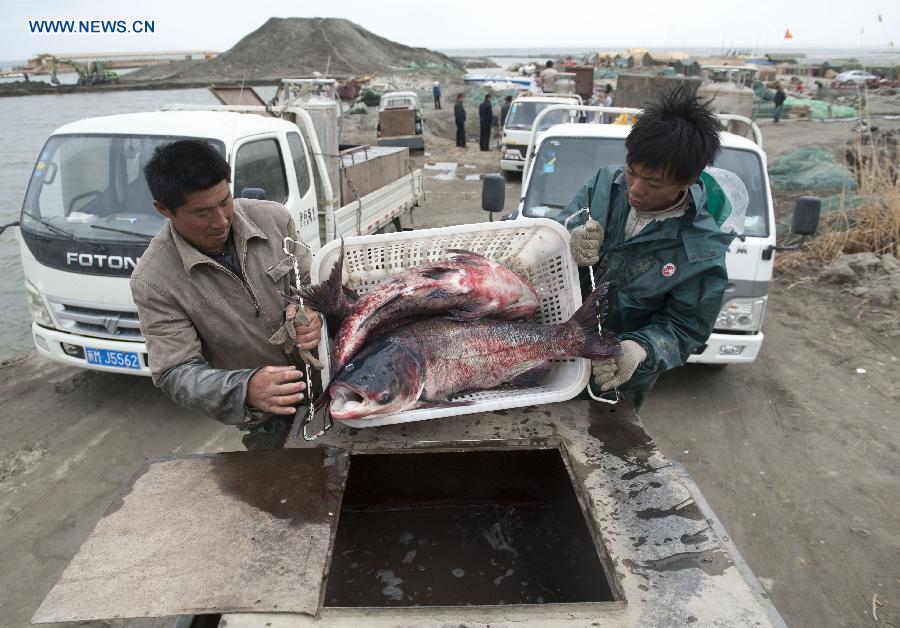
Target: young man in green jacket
(658, 231)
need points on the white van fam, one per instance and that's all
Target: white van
(516, 132)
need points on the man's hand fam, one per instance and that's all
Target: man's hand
(586, 241)
(307, 325)
(276, 389)
(613, 373)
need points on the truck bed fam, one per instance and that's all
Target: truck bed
(371, 212)
(365, 169)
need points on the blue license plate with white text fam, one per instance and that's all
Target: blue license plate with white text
(117, 359)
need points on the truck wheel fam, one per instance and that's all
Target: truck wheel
(391, 227)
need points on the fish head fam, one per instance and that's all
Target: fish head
(384, 379)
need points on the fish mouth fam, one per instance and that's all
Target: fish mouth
(347, 403)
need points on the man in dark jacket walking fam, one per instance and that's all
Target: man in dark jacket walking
(485, 119)
(459, 114)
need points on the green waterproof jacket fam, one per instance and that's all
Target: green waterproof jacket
(667, 282)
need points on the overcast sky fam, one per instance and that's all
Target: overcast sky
(442, 24)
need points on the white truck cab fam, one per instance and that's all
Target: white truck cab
(516, 132)
(564, 157)
(88, 214)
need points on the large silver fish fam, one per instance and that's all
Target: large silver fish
(425, 363)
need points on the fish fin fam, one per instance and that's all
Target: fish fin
(438, 293)
(433, 405)
(528, 379)
(438, 272)
(466, 257)
(464, 315)
(395, 297)
(351, 296)
(329, 297)
(596, 346)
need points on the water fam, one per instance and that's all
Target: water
(461, 528)
(27, 122)
(505, 57)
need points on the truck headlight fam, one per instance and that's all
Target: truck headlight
(36, 306)
(742, 314)
(511, 154)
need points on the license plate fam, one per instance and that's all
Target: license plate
(117, 359)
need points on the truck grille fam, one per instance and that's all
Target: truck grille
(98, 320)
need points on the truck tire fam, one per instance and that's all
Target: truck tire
(391, 227)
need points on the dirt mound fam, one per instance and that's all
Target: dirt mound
(284, 47)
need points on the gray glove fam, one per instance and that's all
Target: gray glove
(586, 241)
(613, 373)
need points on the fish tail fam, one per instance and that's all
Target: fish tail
(596, 345)
(330, 297)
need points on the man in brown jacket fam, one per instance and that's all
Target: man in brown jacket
(210, 292)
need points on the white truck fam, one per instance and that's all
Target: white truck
(88, 215)
(562, 158)
(401, 121)
(516, 132)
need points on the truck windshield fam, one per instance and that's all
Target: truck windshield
(522, 115)
(93, 187)
(563, 165)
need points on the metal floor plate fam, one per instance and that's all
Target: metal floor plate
(230, 532)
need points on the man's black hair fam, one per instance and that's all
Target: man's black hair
(460, 95)
(508, 99)
(549, 64)
(180, 168)
(678, 136)
(487, 97)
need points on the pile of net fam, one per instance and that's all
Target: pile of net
(810, 168)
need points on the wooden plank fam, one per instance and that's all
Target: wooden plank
(219, 533)
(367, 171)
(396, 122)
(237, 95)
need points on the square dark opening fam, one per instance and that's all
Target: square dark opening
(496, 527)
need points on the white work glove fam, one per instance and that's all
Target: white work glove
(586, 241)
(613, 373)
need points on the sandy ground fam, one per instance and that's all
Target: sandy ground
(798, 454)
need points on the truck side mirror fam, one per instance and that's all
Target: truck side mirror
(804, 224)
(256, 194)
(806, 215)
(493, 193)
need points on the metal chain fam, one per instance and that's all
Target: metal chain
(307, 420)
(587, 212)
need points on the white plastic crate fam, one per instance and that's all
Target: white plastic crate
(541, 248)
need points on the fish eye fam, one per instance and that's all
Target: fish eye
(385, 397)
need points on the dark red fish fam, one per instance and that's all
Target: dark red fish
(465, 287)
(427, 362)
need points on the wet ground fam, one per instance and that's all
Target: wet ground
(798, 453)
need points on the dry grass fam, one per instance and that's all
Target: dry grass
(872, 226)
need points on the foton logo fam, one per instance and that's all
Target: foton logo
(117, 262)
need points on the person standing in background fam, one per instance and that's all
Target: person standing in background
(436, 92)
(459, 114)
(779, 99)
(548, 78)
(485, 119)
(607, 102)
(504, 110)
